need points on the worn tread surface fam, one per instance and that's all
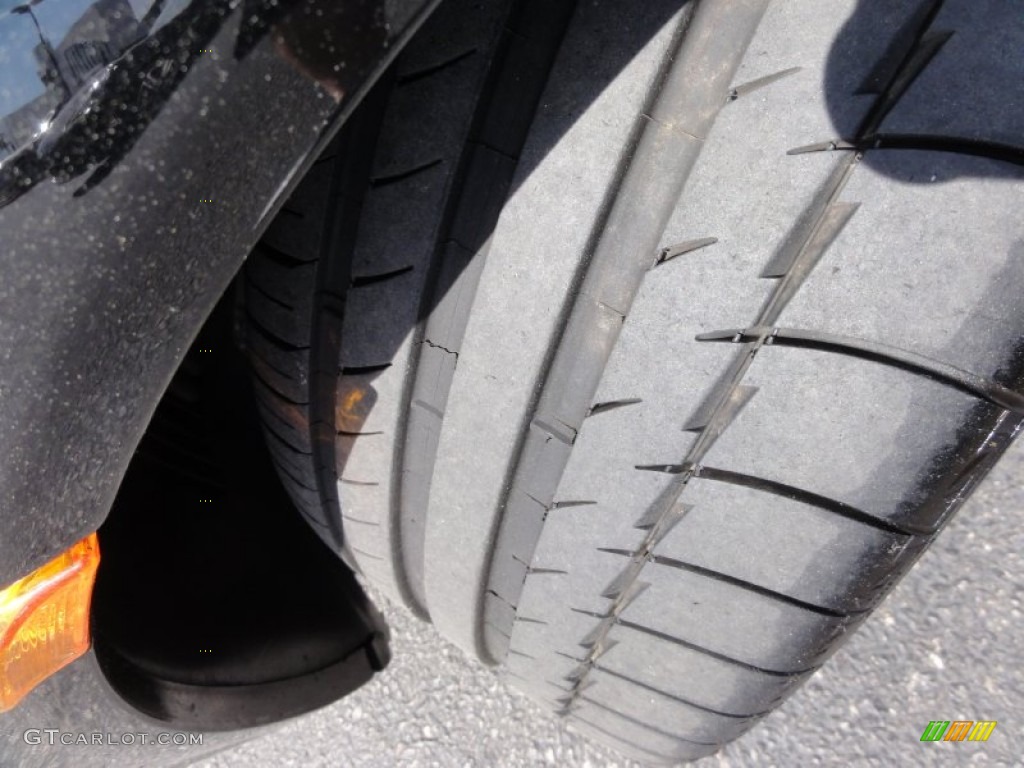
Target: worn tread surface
(672, 336)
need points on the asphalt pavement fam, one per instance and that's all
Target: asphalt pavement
(945, 645)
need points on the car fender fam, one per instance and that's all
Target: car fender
(118, 235)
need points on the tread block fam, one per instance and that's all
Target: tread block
(802, 551)
(283, 370)
(626, 728)
(696, 676)
(290, 421)
(663, 712)
(734, 622)
(886, 428)
(291, 283)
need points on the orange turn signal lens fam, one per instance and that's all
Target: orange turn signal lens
(44, 620)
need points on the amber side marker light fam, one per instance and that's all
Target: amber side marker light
(44, 620)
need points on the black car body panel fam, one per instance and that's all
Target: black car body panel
(140, 159)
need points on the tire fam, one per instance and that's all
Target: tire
(643, 349)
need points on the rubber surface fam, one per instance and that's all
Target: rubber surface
(687, 374)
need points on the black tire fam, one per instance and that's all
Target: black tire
(484, 336)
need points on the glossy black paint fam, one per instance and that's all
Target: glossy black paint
(163, 146)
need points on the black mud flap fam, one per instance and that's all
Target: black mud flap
(216, 606)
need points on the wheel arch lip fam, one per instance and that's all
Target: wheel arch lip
(118, 235)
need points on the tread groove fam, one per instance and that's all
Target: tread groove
(713, 654)
(283, 468)
(259, 377)
(251, 283)
(708, 573)
(679, 699)
(350, 519)
(419, 74)
(647, 146)
(611, 405)
(363, 370)
(364, 280)
(903, 359)
(673, 251)
(923, 142)
(269, 411)
(284, 443)
(807, 497)
(761, 82)
(569, 504)
(395, 177)
(279, 257)
(642, 749)
(272, 337)
(642, 724)
(504, 78)
(365, 554)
